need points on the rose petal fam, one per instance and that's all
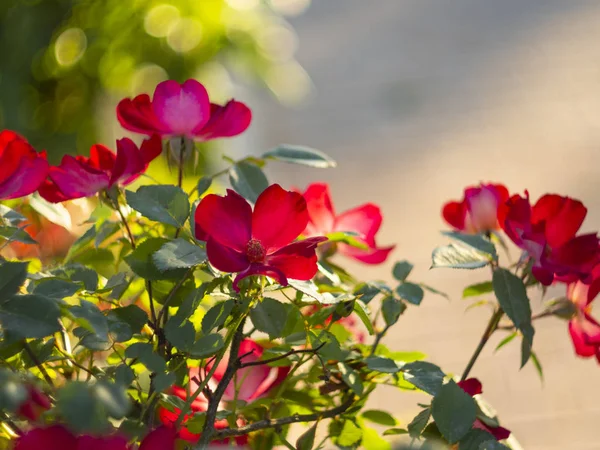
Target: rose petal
(578, 329)
(297, 260)
(563, 216)
(102, 443)
(28, 177)
(225, 121)
(102, 158)
(471, 386)
(279, 217)
(225, 258)
(373, 255)
(129, 163)
(260, 269)
(55, 437)
(365, 220)
(75, 179)
(137, 115)
(455, 214)
(162, 438)
(228, 220)
(499, 433)
(320, 210)
(151, 148)
(517, 220)
(50, 192)
(181, 108)
(168, 419)
(482, 204)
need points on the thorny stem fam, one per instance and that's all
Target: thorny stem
(276, 423)
(378, 339)
(182, 148)
(489, 330)
(38, 363)
(233, 365)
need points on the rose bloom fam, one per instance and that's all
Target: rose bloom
(479, 211)
(547, 232)
(57, 437)
(583, 328)
(22, 169)
(183, 110)
(365, 220)
(259, 242)
(81, 176)
(252, 383)
(472, 386)
(36, 403)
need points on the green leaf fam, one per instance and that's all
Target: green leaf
(217, 315)
(412, 293)
(506, 340)
(163, 381)
(458, 257)
(113, 397)
(163, 203)
(424, 375)
(54, 212)
(77, 272)
(474, 439)
(478, 289)
(14, 234)
(363, 313)
(380, 364)
(538, 366)
(146, 355)
(347, 237)
(12, 277)
(142, 263)
(56, 288)
(297, 154)
(493, 445)
(92, 319)
(453, 411)
(178, 254)
(418, 424)
(104, 231)
(391, 309)
(308, 288)
(80, 408)
(395, 431)
(401, 270)
(270, 316)
(203, 185)
(10, 216)
(248, 180)
(207, 346)
(350, 434)
(476, 241)
(126, 321)
(380, 417)
(181, 335)
(30, 316)
(351, 378)
(307, 439)
(124, 375)
(512, 297)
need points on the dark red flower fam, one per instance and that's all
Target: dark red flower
(547, 232)
(81, 176)
(364, 220)
(472, 386)
(37, 402)
(22, 169)
(58, 437)
(251, 383)
(583, 328)
(258, 242)
(479, 211)
(183, 110)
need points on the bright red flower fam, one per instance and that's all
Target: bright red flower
(250, 383)
(547, 232)
(364, 220)
(22, 169)
(583, 328)
(472, 386)
(258, 242)
(479, 211)
(37, 402)
(183, 110)
(57, 437)
(80, 176)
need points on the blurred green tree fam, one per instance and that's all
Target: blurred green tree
(64, 64)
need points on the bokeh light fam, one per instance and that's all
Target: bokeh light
(70, 46)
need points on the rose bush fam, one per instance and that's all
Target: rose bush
(187, 320)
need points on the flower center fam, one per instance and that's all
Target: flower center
(255, 251)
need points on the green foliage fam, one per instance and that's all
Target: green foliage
(298, 154)
(453, 411)
(248, 180)
(165, 204)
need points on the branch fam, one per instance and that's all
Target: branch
(38, 363)
(489, 330)
(275, 423)
(277, 358)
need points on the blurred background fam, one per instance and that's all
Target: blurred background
(415, 99)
